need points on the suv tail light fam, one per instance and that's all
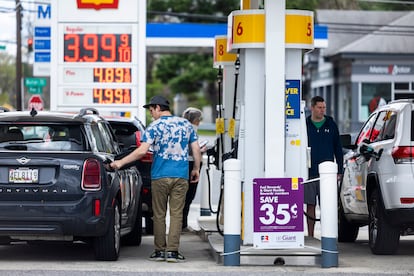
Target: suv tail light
(91, 175)
(138, 138)
(403, 155)
(147, 158)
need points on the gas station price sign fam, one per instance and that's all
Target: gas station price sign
(98, 64)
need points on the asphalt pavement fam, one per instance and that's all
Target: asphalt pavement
(201, 257)
(78, 259)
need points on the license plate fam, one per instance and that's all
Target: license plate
(23, 175)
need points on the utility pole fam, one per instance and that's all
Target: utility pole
(18, 55)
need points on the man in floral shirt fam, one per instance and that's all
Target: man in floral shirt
(170, 137)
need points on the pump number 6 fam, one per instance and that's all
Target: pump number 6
(282, 211)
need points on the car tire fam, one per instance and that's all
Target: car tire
(107, 246)
(135, 236)
(347, 231)
(149, 225)
(383, 237)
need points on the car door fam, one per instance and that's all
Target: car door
(107, 144)
(131, 182)
(383, 166)
(353, 188)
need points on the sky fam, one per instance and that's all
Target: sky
(8, 24)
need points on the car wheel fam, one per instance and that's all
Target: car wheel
(149, 225)
(383, 237)
(107, 246)
(347, 231)
(135, 236)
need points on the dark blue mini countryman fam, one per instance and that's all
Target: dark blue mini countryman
(56, 184)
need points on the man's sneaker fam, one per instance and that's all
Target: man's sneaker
(157, 256)
(174, 257)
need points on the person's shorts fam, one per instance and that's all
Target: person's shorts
(311, 191)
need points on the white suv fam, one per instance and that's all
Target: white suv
(378, 183)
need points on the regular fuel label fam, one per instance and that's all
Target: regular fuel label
(278, 213)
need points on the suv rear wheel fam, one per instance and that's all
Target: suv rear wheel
(383, 237)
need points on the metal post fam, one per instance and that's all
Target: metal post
(204, 190)
(19, 71)
(329, 216)
(232, 212)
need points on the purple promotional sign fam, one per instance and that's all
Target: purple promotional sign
(278, 212)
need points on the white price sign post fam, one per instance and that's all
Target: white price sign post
(278, 213)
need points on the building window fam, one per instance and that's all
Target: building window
(372, 93)
(402, 86)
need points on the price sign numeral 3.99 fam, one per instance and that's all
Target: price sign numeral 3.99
(97, 48)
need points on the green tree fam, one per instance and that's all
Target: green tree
(193, 74)
(200, 11)
(7, 78)
(190, 74)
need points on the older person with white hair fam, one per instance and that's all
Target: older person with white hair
(194, 115)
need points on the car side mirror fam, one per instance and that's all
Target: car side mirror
(346, 142)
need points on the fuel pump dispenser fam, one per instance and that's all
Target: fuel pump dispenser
(226, 117)
(242, 88)
(261, 145)
(272, 164)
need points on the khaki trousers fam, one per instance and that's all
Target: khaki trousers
(168, 191)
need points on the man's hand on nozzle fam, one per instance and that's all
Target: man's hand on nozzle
(116, 165)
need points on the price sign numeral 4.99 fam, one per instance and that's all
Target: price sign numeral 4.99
(111, 96)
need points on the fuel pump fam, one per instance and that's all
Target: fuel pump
(226, 113)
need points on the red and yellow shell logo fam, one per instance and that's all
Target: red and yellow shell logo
(97, 4)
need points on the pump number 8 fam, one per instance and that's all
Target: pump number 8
(282, 216)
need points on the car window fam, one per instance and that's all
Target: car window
(44, 137)
(125, 133)
(412, 125)
(111, 145)
(96, 135)
(366, 130)
(378, 127)
(387, 130)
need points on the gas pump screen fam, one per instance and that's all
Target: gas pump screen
(278, 213)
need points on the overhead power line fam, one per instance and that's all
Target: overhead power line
(374, 29)
(389, 2)
(190, 15)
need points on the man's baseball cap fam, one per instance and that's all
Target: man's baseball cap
(158, 100)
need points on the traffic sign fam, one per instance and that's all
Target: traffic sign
(34, 90)
(42, 57)
(35, 102)
(33, 82)
(42, 44)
